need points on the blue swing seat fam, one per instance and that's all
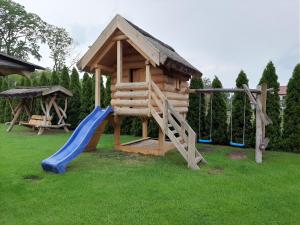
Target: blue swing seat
(205, 141)
(238, 145)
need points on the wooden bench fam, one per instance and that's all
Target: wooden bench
(37, 121)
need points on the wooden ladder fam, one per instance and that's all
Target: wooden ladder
(174, 126)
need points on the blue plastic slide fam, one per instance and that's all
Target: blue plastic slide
(77, 142)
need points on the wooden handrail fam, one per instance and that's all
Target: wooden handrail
(170, 116)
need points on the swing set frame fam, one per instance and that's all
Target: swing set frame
(258, 97)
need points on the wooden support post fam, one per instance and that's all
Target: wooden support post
(191, 154)
(119, 61)
(148, 81)
(117, 131)
(264, 106)
(18, 111)
(145, 127)
(259, 132)
(97, 87)
(161, 139)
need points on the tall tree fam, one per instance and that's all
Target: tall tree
(87, 98)
(59, 42)
(20, 31)
(291, 127)
(241, 113)
(219, 115)
(65, 78)
(75, 100)
(54, 78)
(195, 109)
(43, 79)
(273, 131)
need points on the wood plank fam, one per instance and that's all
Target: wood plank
(131, 111)
(98, 87)
(131, 94)
(132, 86)
(119, 61)
(129, 103)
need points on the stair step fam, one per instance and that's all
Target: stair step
(170, 125)
(174, 132)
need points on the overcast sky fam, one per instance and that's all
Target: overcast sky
(218, 37)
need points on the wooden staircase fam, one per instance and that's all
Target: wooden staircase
(174, 126)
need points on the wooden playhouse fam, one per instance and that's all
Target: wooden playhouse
(149, 79)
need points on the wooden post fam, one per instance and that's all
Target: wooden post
(161, 139)
(148, 81)
(264, 106)
(98, 87)
(119, 61)
(145, 127)
(18, 111)
(259, 132)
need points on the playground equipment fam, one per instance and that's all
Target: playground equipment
(79, 140)
(21, 99)
(258, 97)
(149, 80)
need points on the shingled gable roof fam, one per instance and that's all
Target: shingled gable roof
(157, 51)
(12, 65)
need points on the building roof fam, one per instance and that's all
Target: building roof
(158, 52)
(32, 92)
(282, 90)
(12, 65)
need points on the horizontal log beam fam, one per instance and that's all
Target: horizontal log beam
(227, 90)
(129, 103)
(176, 96)
(131, 94)
(132, 86)
(131, 111)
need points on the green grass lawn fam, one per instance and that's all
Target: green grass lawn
(109, 187)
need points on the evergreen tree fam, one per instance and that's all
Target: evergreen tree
(65, 78)
(219, 115)
(193, 116)
(273, 131)
(241, 104)
(109, 128)
(152, 128)
(21, 82)
(87, 98)
(75, 101)
(54, 78)
(291, 127)
(136, 128)
(126, 126)
(44, 80)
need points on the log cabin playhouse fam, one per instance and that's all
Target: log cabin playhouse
(149, 79)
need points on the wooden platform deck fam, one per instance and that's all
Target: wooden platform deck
(147, 146)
